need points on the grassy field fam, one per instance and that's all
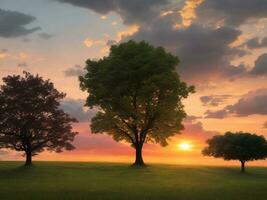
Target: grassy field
(55, 180)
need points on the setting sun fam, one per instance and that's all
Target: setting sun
(185, 146)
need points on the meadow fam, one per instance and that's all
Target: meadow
(74, 180)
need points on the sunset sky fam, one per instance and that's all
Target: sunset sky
(221, 44)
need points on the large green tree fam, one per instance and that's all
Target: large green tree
(30, 118)
(139, 95)
(237, 146)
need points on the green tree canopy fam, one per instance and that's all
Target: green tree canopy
(30, 118)
(237, 146)
(139, 95)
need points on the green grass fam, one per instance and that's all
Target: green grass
(59, 180)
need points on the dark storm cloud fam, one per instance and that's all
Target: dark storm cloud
(257, 43)
(75, 108)
(214, 100)
(252, 103)
(233, 12)
(260, 67)
(12, 24)
(77, 70)
(133, 11)
(202, 50)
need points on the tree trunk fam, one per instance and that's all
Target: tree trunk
(138, 156)
(243, 166)
(28, 159)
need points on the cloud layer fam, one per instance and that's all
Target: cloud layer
(134, 11)
(260, 67)
(201, 33)
(203, 50)
(214, 100)
(75, 71)
(255, 43)
(252, 103)
(233, 12)
(13, 24)
(75, 108)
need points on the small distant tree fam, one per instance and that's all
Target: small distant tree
(30, 118)
(237, 146)
(139, 95)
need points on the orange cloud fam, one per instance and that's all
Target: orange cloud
(105, 50)
(103, 17)
(3, 55)
(23, 55)
(188, 13)
(240, 40)
(166, 13)
(89, 42)
(19, 56)
(127, 32)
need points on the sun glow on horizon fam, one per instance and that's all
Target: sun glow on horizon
(185, 146)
